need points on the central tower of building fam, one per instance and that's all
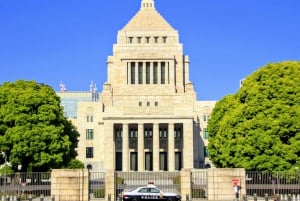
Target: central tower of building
(148, 100)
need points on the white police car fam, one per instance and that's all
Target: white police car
(149, 192)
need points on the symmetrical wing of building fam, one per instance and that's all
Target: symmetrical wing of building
(147, 117)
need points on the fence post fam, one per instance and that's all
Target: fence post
(30, 198)
(266, 197)
(244, 197)
(255, 196)
(187, 197)
(289, 197)
(53, 198)
(42, 197)
(109, 197)
(278, 197)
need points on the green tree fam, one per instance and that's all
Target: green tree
(258, 128)
(33, 130)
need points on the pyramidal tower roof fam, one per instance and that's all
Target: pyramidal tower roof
(147, 19)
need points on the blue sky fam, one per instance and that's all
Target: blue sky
(50, 41)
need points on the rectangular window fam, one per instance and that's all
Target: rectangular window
(140, 103)
(163, 72)
(155, 72)
(133, 133)
(118, 161)
(205, 133)
(205, 117)
(147, 39)
(89, 152)
(140, 72)
(177, 132)
(139, 39)
(156, 103)
(148, 103)
(148, 132)
(132, 66)
(163, 133)
(147, 72)
(148, 161)
(206, 154)
(133, 161)
(156, 39)
(130, 39)
(89, 118)
(177, 160)
(89, 134)
(163, 161)
(118, 132)
(164, 39)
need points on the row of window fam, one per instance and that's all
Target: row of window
(154, 71)
(148, 103)
(148, 133)
(147, 39)
(206, 117)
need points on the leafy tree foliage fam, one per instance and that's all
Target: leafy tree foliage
(33, 131)
(258, 128)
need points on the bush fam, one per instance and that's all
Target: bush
(198, 193)
(99, 193)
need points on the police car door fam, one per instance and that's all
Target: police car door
(144, 194)
(154, 194)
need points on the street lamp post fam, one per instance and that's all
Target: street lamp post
(5, 162)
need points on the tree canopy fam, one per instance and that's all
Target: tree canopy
(33, 130)
(258, 128)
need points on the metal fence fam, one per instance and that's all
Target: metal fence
(277, 185)
(199, 184)
(25, 186)
(259, 185)
(96, 185)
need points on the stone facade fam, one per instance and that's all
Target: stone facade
(147, 117)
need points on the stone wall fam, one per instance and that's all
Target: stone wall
(69, 185)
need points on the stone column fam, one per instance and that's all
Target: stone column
(172, 72)
(128, 73)
(67, 184)
(141, 153)
(125, 149)
(171, 153)
(185, 175)
(188, 152)
(109, 146)
(156, 147)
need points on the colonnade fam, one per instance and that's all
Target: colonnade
(163, 153)
(150, 72)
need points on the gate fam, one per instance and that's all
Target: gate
(166, 181)
(96, 185)
(199, 184)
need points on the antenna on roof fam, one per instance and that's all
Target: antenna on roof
(93, 87)
(62, 86)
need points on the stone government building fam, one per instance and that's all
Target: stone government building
(147, 117)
